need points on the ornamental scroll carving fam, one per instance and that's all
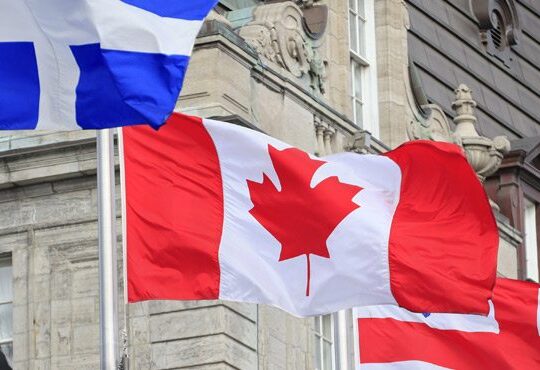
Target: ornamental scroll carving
(497, 14)
(498, 22)
(277, 33)
(484, 154)
(434, 126)
(429, 121)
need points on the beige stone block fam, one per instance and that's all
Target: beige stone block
(47, 210)
(79, 362)
(85, 310)
(67, 240)
(61, 341)
(41, 330)
(276, 348)
(60, 283)
(21, 350)
(507, 260)
(20, 319)
(139, 331)
(139, 309)
(203, 322)
(201, 352)
(85, 339)
(41, 364)
(19, 258)
(61, 311)
(245, 309)
(85, 280)
(140, 358)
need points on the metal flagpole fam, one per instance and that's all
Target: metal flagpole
(341, 334)
(107, 250)
(124, 361)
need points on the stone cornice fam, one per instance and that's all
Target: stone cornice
(217, 34)
(24, 142)
(33, 159)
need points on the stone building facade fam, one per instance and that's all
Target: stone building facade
(324, 75)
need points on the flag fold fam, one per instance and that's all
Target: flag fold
(97, 64)
(509, 338)
(218, 211)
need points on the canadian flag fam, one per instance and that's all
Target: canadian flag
(392, 338)
(218, 211)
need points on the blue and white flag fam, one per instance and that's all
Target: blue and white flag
(94, 64)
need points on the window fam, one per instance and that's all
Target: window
(531, 243)
(363, 73)
(324, 343)
(6, 308)
(237, 4)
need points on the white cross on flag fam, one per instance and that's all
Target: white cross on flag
(72, 64)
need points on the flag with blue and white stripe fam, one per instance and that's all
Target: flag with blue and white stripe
(94, 64)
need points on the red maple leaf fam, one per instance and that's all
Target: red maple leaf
(300, 217)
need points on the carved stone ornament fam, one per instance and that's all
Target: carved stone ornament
(325, 135)
(485, 155)
(432, 126)
(429, 120)
(315, 18)
(499, 26)
(487, 13)
(215, 16)
(360, 143)
(277, 33)
(306, 3)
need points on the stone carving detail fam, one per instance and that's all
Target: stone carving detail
(360, 143)
(499, 26)
(277, 33)
(429, 122)
(484, 154)
(215, 16)
(432, 126)
(492, 14)
(305, 3)
(325, 135)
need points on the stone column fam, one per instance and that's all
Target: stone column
(328, 136)
(392, 68)
(319, 134)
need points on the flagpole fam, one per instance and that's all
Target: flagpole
(107, 250)
(341, 334)
(124, 355)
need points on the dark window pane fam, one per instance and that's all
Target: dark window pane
(6, 356)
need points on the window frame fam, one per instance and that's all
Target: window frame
(320, 339)
(530, 239)
(230, 4)
(8, 340)
(366, 60)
